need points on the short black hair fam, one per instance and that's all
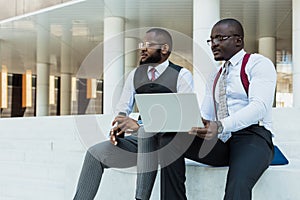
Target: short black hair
(166, 36)
(234, 23)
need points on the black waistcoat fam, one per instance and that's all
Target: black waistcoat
(165, 83)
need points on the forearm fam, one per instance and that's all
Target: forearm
(248, 115)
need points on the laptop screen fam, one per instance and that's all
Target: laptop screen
(169, 112)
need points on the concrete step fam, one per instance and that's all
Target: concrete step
(40, 128)
(50, 172)
(284, 124)
(278, 182)
(16, 188)
(44, 156)
(208, 183)
(46, 145)
(289, 149)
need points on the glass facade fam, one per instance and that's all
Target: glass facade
(76, 30)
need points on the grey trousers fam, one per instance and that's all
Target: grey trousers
(147, 164)
(156, 149)
(144, 151)
(101, 156)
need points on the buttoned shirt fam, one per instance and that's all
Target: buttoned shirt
(245, 110)
(185, 84)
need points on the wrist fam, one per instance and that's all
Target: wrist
(220, 127)
(139, 124)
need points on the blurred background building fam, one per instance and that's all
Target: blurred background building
(67, 59)
(63, 57)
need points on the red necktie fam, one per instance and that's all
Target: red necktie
(152, 70)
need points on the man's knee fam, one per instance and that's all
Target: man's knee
(98, 151)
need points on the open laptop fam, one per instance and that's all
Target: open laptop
(169, 112)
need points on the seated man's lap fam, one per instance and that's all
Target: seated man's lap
(122, 155)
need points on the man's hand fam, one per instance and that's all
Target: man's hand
(209, 132)
(205, 122)
(121, 125)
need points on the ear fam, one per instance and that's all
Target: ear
(239, 42)
(165, 49)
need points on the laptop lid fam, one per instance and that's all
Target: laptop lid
(169, 112)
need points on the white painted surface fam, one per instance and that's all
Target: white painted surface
(41, 158)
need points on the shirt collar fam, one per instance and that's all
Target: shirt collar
(234, 60)
(161, 67)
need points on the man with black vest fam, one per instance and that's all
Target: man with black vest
(156, 74)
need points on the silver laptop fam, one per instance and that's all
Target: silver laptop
(169, 112)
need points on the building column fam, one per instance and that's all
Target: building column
(43, 70)
(296, 51)
(1, 92)
(66, 72)
(205, 15)
(267, 40)
(267, 47)
(266, 33)
(250, 40)
(130, 54)
(113, 62)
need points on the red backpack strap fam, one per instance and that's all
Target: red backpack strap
(214, 89)
(244, 77)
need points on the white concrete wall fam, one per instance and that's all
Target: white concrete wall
(40, 158)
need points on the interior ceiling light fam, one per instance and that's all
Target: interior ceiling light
(69, 3)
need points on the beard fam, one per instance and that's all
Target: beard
(153, 59)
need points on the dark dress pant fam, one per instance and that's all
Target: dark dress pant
(248, 154)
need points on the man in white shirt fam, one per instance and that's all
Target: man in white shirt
(241, 137)
(156, 74)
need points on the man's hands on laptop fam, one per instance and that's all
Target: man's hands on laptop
(121, 125)
(208, 132)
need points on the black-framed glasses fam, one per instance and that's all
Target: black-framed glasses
(145, 45)
(220, 38)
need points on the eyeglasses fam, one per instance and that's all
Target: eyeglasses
(219, 38)
(145, 45)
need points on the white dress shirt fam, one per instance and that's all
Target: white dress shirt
(245, 110)
(185, 84)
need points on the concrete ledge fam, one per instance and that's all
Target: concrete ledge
(41, 158)
(278, 182)
(208, 183)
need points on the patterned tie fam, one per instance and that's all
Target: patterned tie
(222, 108)
(152, 70)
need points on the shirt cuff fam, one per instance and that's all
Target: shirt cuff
(224, 126)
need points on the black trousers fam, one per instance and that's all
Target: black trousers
(248, 154)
